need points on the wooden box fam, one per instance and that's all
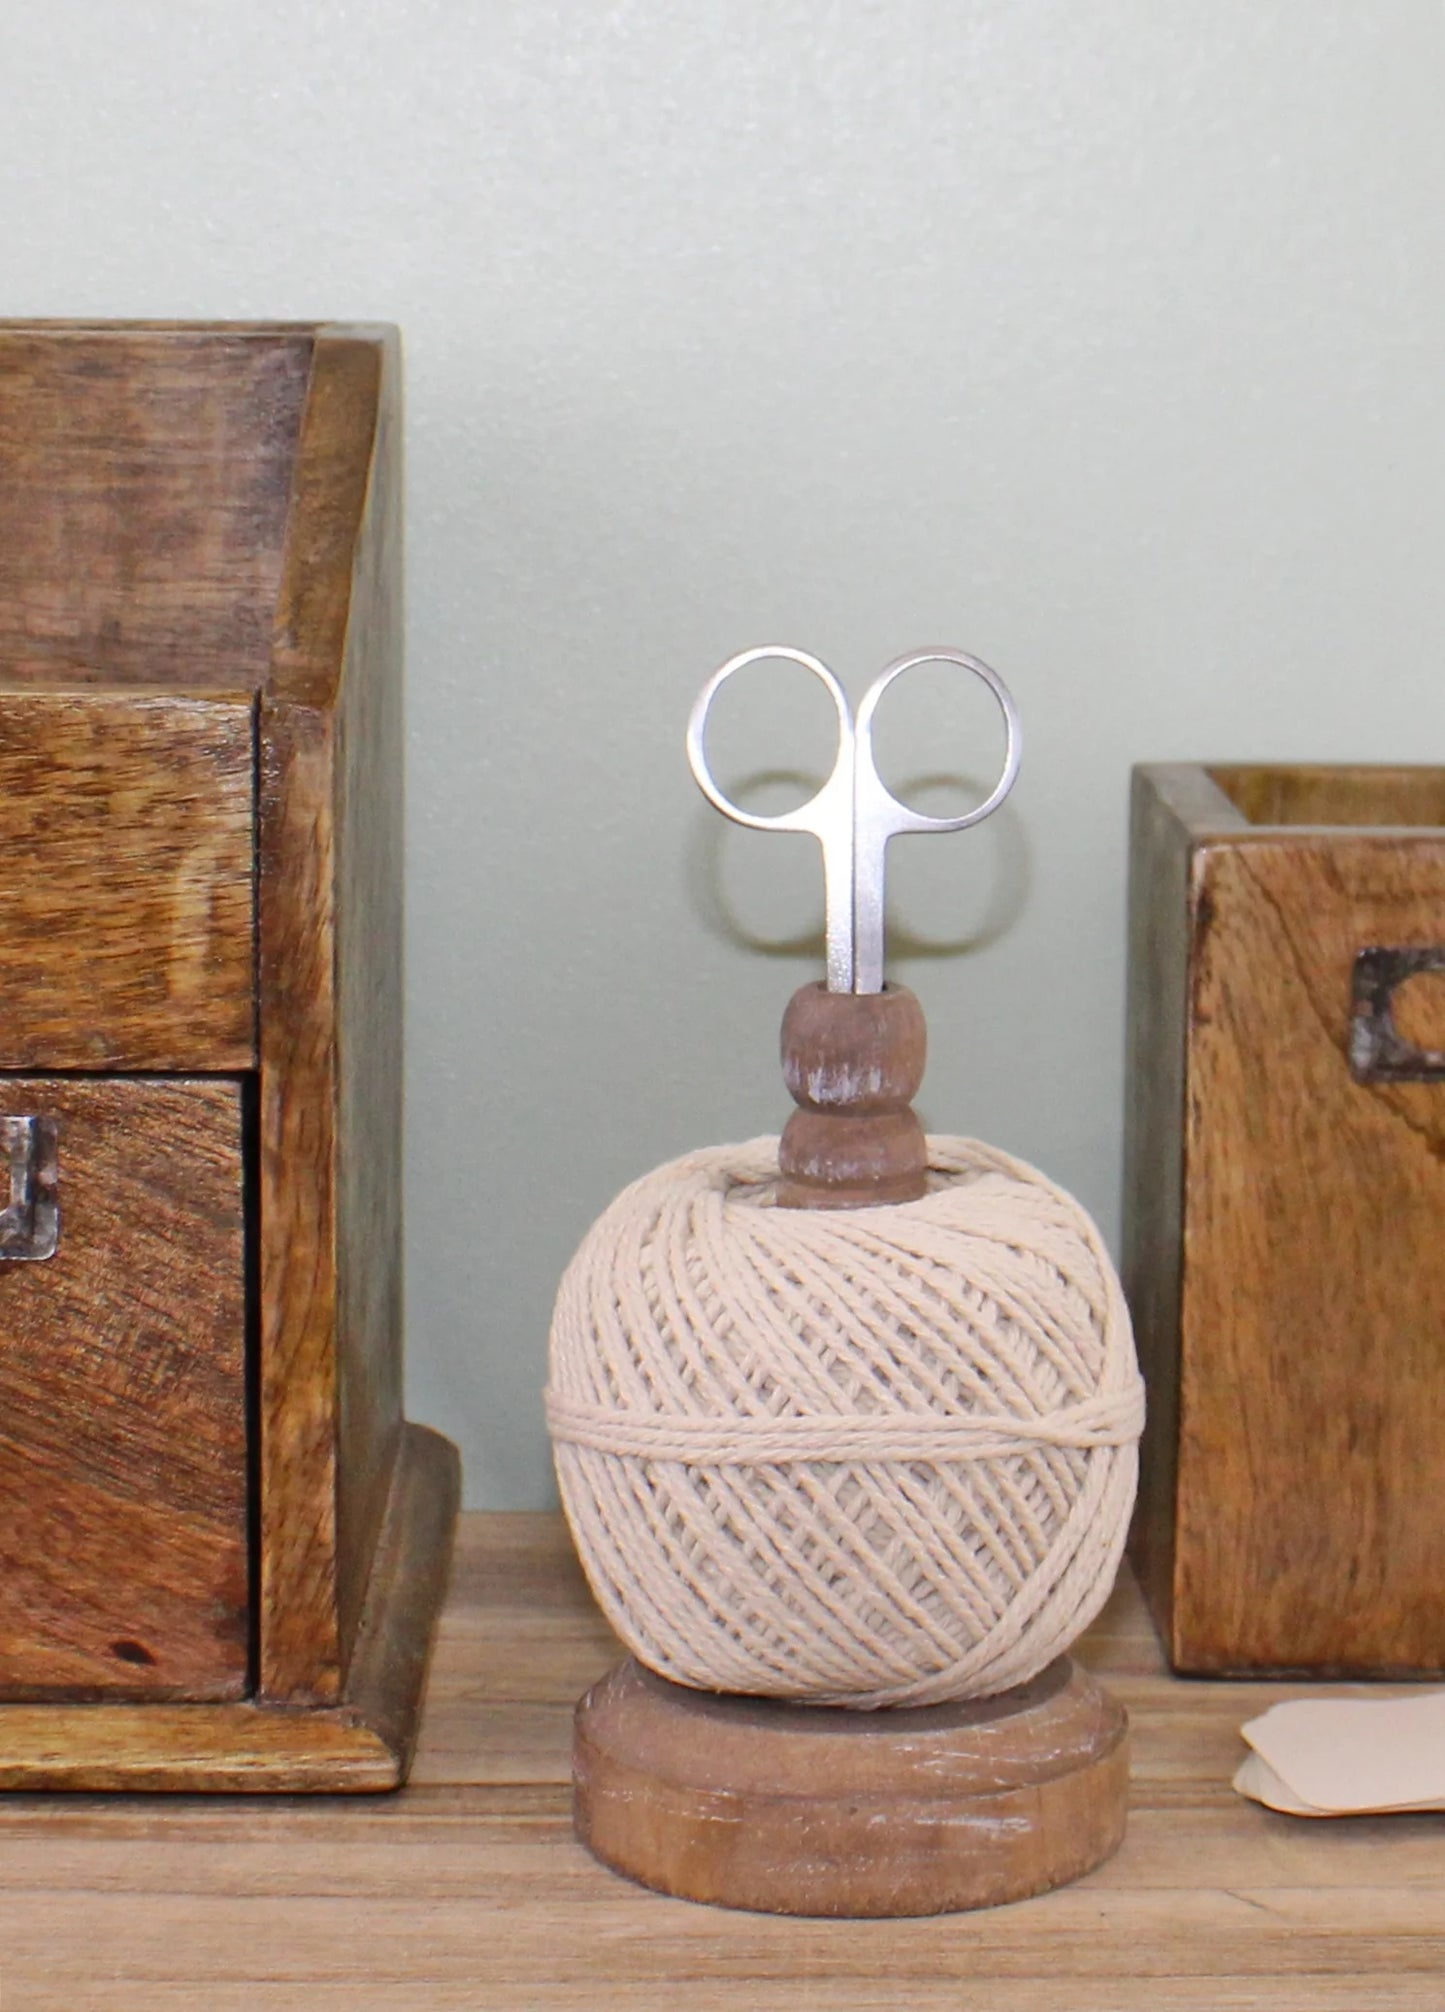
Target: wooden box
(1284, 1232)
(222, 1549)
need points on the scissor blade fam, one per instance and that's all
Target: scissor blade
(834, 827)
(874, 823)
(868, 909)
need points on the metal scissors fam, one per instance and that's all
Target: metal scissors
(854, 814)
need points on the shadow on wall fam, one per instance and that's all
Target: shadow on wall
(710, 839)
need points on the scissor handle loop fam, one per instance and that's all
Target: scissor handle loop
(902, 817)
(806, 817)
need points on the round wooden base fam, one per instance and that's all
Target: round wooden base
(800, 1809)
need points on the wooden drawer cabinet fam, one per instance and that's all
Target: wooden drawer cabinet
(222, 1548)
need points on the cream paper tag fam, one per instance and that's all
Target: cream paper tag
(1347, 1756)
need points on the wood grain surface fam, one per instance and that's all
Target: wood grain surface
(368, 807)
(853, 1062)
(812, 1810)
(1172, 810)
(1299, 1383)
(123, 1549)
(144, 479)
(363, 1744)
(126, 843)
(468, 1889)
(330, 963)
(1317, 793)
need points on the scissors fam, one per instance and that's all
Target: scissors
(854, 814)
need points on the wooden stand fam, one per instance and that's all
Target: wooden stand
(803, 1809)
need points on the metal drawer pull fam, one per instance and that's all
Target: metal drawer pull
(30, 1223)
(1379, 1052)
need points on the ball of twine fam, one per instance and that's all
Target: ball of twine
(872, 1457)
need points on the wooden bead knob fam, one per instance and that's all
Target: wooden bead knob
(853, 1062)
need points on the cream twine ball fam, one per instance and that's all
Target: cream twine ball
(868, 1457)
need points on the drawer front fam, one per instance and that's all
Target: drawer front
(123, 1458)
(126, 881)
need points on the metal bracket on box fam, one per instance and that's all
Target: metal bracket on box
(1379, 1053)
(30, 1220)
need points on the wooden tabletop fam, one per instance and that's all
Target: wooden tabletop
(467, 1890)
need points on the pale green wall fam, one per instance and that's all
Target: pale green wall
(1103, 337)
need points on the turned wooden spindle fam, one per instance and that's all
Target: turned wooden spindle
(853, 1062)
